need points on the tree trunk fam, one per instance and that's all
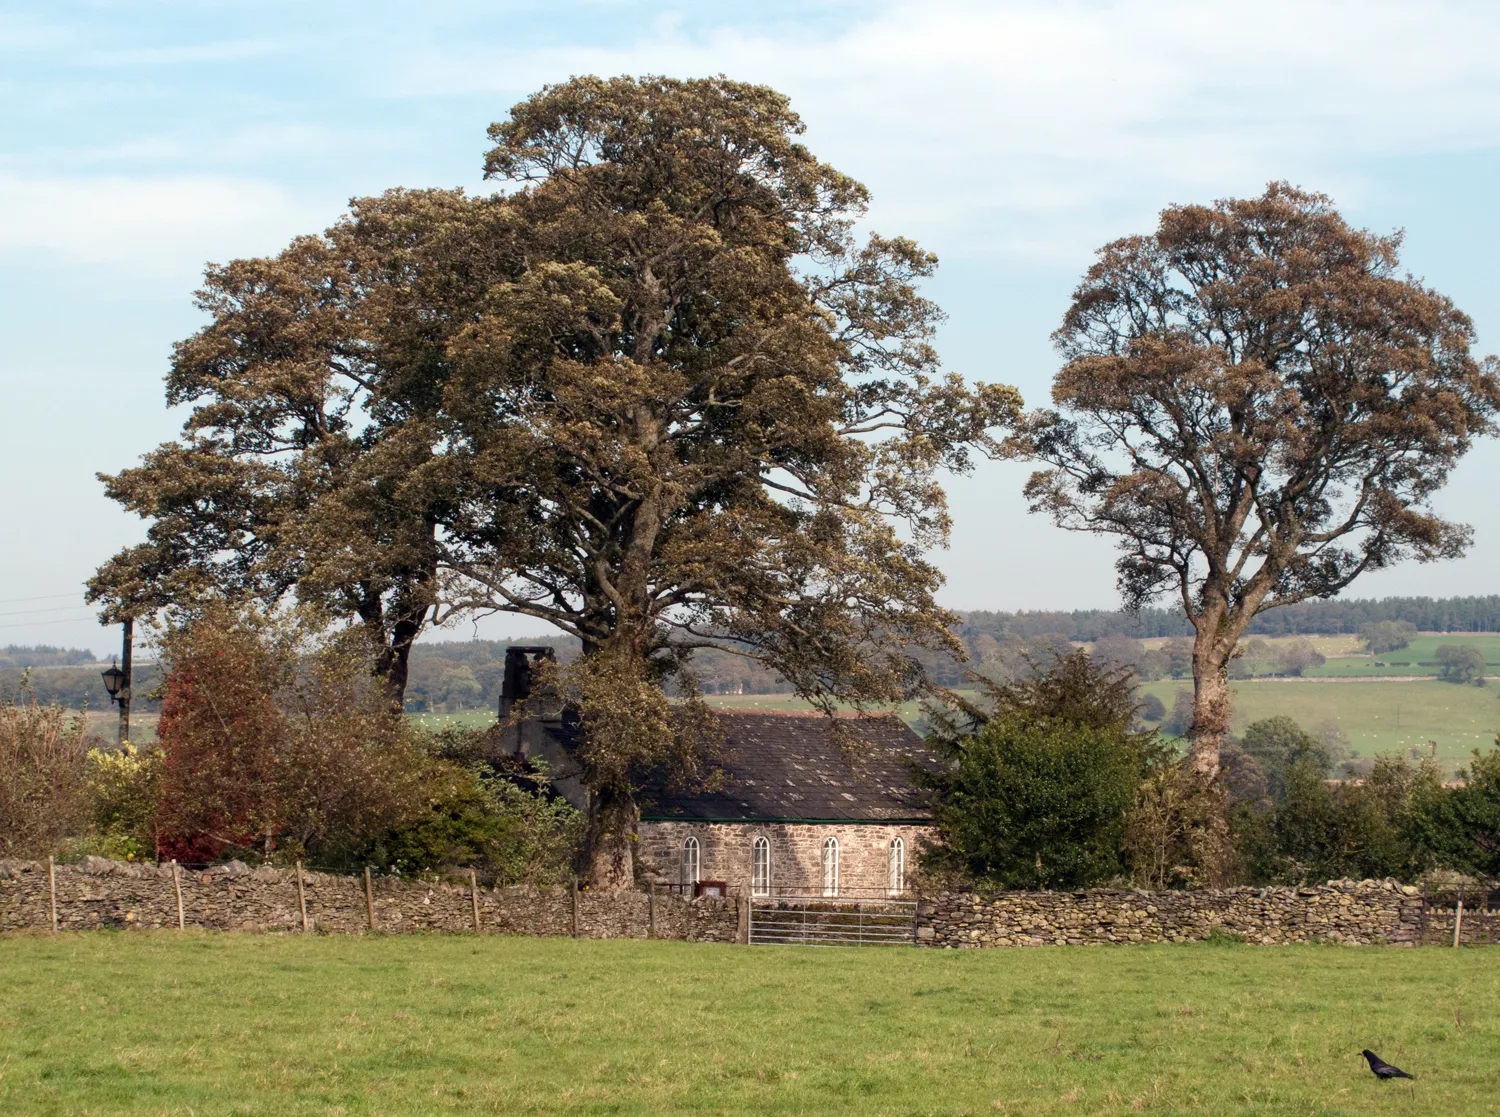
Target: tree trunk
(397, 658)
(1212, 650)
(613, 818)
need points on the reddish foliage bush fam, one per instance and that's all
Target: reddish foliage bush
(222, 739)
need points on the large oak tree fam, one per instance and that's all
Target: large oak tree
(1259, 406)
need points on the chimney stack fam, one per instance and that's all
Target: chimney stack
(520, 663)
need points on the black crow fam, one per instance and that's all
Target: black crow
(1382, 1069)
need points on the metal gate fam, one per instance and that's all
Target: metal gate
(821, 921)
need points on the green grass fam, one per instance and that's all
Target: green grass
(1377, 717)
(463, 719)
(199, 1024)
(1415, 659)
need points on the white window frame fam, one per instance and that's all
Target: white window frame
(692, 862)
(760, 866)
(897, 882)
(830, 866)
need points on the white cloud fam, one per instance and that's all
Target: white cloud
(231, 50)
(159, 227)
(963, 114)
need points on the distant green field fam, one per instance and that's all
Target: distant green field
(1415, 659)
(464, 719)
(1377, 717)
(168, 1023)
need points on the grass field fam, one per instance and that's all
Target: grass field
(105, 725)
(1414, 659)
(1377, 717)
(199, 1024)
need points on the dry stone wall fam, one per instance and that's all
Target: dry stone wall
(110, 894)
(1341, 911)
(98, 893)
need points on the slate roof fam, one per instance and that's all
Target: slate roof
(786, 766)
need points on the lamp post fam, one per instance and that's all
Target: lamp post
(117, 680)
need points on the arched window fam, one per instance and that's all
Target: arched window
(690, 863)
(897, 882)
(760, 867)
(830, 866)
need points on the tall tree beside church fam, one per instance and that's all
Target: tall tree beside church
(1259, 407)
(699, 415)
(306, 465)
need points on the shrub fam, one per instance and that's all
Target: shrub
(1320, 831)
(1041, 779)
(1460, 663)
(275, 746)
(124, 786)
(1153, 708)
(279, 746)
(1174, 834)
(1038, 804)
(1462, 826)
(43, 793)
(510, 832)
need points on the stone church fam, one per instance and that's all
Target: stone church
(801, 808)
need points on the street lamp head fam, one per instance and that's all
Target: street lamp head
(114, 678)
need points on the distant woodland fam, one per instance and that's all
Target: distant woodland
(452, 675)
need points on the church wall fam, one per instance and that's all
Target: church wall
(726, 850)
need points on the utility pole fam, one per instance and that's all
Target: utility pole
(124, 696)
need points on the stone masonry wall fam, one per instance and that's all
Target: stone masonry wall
(1340, 911)
(99, 893)
(725, 850)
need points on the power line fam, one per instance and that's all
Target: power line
(39, 624)
(50, 609)
(40, 597)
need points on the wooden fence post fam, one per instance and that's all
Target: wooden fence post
(369, 899)
(474, 898)
(575, 907)
(177, 886)
(301, 899)
(1458, 917)
(52, 892)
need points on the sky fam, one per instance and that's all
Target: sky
(142, 140)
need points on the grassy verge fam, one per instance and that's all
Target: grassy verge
(178, 1024)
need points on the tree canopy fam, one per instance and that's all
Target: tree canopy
(1259, 407)
(306, 462)
(698, 415)
(655, 393)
